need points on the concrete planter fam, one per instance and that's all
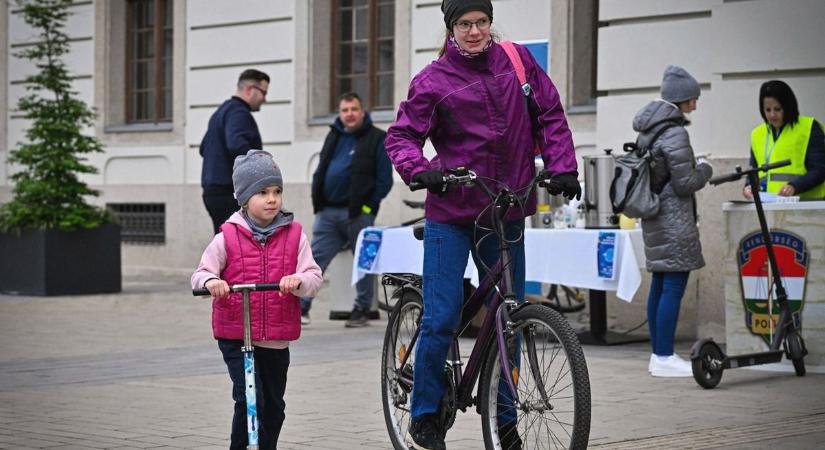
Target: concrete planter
(53, 262)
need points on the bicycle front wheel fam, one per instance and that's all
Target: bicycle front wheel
(396, 385)
(550, 375)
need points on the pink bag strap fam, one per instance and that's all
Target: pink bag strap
(515, 60)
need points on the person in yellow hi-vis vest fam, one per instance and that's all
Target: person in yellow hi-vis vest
(787, 135)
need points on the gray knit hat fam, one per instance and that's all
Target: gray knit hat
(678, 85)
(453, 9)
(253, 172)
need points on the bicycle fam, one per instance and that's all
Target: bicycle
(248, 356)
(707, 358)
(546, 372)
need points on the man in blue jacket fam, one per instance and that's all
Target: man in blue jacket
(354, 174)
(232, 132)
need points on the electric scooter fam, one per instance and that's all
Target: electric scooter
(707, 358)
(248, 357)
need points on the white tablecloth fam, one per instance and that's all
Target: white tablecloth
(565, 257)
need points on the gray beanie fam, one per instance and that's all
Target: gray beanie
(253, 172)
(678, 85)
(453, 9)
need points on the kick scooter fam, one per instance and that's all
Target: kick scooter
(707, 358)
(248, 356)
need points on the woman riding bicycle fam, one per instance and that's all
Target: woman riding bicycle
(471, 106)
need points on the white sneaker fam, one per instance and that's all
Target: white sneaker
(650, 363)
(672, 367)
(305, 320)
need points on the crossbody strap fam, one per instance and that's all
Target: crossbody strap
(515, 60)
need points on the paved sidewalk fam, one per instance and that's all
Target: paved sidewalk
(140, 370)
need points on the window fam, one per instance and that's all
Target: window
(140, 223)
(363, 39)
(149, 61)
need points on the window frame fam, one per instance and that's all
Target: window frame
(373, 41)
(160, 61)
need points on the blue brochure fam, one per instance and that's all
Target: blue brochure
(370, 243)
(605, 256)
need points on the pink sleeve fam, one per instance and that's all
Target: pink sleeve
(212, 263)
(307, 270)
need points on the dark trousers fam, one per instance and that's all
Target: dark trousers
(270, 381)
(220, 204)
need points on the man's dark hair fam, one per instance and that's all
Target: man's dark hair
(350, 96)
(784, 95)
(252, 75)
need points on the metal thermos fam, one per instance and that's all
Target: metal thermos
(546, 204)
(598, 174)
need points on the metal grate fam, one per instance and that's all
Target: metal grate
(141, 223)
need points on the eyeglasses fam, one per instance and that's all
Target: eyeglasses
(465, 25)
(258, 88)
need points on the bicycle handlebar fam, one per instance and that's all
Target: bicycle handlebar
(465, 176)
(242, 287)
(741, 173)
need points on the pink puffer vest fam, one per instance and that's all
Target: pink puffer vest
(274, 315)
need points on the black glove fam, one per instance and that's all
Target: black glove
(566, 184)
(432, 179)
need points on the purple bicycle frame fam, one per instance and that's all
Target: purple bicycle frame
(492, 324)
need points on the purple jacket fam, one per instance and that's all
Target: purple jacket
(474, 113)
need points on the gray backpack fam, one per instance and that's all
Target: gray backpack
(634, 192)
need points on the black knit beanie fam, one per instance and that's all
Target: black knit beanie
(453, 9)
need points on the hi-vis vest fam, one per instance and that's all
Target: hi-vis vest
(792, 144)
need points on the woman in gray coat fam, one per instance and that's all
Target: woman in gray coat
(672, 246)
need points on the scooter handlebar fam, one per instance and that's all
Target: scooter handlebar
(241, 287)
(741, 173)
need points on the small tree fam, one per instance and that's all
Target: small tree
(48, 192)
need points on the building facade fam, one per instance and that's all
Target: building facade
(155, 70)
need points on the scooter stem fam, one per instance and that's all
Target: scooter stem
(781, 295)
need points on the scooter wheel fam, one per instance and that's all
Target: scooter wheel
(796, 353)
(707, 368)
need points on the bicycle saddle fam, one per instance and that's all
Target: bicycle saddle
(413, 204)
(418, 231)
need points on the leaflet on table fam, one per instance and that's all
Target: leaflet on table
(370, 243)
(767, 197)
(605, 256)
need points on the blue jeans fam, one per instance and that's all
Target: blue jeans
(270, 383)
(446, 248)
(332, 231)
(666, 291)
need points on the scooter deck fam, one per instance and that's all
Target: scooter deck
(752, 359)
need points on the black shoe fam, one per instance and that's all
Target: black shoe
(357, 319)
(508, 436)
(425, 434)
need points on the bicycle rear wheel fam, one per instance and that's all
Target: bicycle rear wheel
(396, 393)
(545, 356)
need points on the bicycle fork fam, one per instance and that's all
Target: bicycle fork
(505, 327)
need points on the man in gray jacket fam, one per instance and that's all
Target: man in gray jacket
(672, 246)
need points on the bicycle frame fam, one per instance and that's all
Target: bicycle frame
(496, 321)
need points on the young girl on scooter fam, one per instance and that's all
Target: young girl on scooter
(260, 243)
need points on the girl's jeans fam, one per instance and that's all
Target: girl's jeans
(666, 291)
(270, 381)
(446, 248)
